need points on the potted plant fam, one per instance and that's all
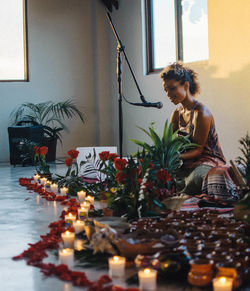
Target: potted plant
(51, 116)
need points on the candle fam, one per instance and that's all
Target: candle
(79, 245)
(43, 181)
(78, 226)
(81, 195)
(64, 190)
(83, 213)
(90, 199)
(66, 256)
(117, 266)
(68, 238)
(36, 178)
(222, 284)
(54, 188)
(69, 219)
(85, 204)
(147, 279)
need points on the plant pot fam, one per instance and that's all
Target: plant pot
(50, 143)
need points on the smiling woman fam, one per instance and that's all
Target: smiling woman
(13, 55)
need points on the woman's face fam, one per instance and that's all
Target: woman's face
(176, 92)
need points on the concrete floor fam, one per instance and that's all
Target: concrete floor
(25, 216)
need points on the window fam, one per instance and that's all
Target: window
(13, 55)
(175, 30)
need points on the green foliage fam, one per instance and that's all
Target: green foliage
(26, 149)
(244, 161)
(165, 151)
(49, 114)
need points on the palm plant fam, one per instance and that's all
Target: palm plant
(48, 114)
(165, 151)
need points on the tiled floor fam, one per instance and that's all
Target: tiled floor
(25, 216)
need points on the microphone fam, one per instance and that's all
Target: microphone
(149, 104)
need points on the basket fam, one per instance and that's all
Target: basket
(175, 202)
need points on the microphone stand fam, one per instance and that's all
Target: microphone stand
(121, 50)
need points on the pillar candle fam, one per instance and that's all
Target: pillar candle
(117, 266)
(85, 204)
(43, 181)
(64, 190)
(83, 213)
(81, 195)
(54, 188)
(222, 284)
(68, 238)
(36, 178)
(147, 279)
(78, 226)
(69, 219)
(66, 256)
(90, 199)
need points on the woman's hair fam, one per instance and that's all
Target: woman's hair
(177, 71)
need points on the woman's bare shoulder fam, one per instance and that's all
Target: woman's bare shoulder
(202, 111)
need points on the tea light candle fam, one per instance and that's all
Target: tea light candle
(117, 266)
(78, 226)
(68, 238)
(222, 284)
(91, 199)
(69, 219)
(83, 213)
(81, 195)
(36, 178)
(147, 279)
(54, 188)
(43, 181)
(85, 204)
(66, 256)
(64, 190)
(48, 184)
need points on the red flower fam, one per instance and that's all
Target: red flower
(112, 157)
(120, 177)
(163, 176)
(69, 162)
(36, 149)
(73, 154)
(43, 151)
(120, 164)
(151, 165)
(139, 180)
(104, 156)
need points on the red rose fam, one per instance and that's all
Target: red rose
(112, 157)
(36, 149)
(120, 164)
(163, 176)
(104, 156)
(69, 162)
(73, 154)
(43, 151)
(139, 180)
(120, 177)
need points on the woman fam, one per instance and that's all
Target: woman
(194, 119)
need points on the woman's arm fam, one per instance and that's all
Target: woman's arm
(202, 121)
(174, 119)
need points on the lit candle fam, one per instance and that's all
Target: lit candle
(78, 226)
(85, 204)
(79, 245)
(66, 256)
(117, 266)
(64, 190)
(147, 279)
(48, 183)
(36, 178)
(69, 219)
(83, 213)
(54, 188)
(43, 181)
(81, 195)
(68, 238)
(222, 284)
(90, 199)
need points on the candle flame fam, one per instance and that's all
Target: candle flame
(222, 279)
(115, 258)
(147, 271)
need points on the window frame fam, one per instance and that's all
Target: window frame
(25, 45)
(149, 35)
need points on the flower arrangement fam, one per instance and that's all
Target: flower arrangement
(41, 165)
(71, 180)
